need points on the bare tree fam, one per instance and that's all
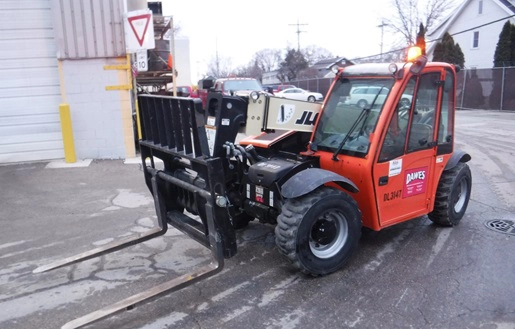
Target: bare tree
(314, 53)
(251, 70)
(409, 14)
(219, 66)
(267, 59)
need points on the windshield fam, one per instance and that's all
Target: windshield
(352, 109)
(242, 85)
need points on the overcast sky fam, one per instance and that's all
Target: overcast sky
(238, 29)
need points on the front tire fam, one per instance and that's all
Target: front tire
(311, 99)
(318, 232)
(452, 196)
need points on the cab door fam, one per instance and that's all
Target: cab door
(405, 165)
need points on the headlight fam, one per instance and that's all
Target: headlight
(254, 95)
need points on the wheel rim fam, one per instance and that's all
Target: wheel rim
(311, 99)
(461, 195)
(328, 234)
(362, 104)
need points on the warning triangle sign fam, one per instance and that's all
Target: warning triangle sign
(139, 25)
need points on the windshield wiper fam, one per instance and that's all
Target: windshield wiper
(362, 128)
(363, 115)
(349, 133)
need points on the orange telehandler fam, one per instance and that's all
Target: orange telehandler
(379, 151)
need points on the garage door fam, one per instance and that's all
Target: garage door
(29, 83)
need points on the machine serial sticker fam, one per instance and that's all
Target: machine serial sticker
(389, 196)
(439, 159)
(211, 121)
(226, 122)
(395, 167)
(415, 182)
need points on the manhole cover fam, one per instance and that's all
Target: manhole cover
(502, 226)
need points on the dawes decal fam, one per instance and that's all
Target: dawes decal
(415, 182)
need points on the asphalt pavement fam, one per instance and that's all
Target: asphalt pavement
(412, 275)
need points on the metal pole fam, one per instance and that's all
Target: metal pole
(463, 90)
(502, 89)
(67, 132)
(174, 60)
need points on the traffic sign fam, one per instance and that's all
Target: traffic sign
(142, 60)
(139, 30)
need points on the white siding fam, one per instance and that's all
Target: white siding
(29, 84)
(483, 55)
(97, 114)
(470, 20)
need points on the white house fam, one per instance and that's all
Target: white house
(475, 25)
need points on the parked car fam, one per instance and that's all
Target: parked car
(186, 91)
(227, 86)
(362, 96)
(274, 88)
(300, 94)
(283, 87)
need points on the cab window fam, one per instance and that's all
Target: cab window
(445, 133)
(424, 112)
(395, 139)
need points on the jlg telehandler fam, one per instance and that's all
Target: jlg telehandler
(377, 152)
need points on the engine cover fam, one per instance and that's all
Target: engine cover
(270, 171)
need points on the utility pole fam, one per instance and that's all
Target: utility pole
(382, 25)
(298, 33)
(217, 59)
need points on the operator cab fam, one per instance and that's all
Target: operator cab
(389, 128)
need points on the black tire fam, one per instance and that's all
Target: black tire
(311, 99)
(452, 196)
(327, 215)
(362, 103)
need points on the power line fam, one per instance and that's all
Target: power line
(433, 40)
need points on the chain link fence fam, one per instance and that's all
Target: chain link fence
(485, 89)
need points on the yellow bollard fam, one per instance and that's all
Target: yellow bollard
(67, 131)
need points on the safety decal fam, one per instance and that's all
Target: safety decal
(285, 114)
(259, 194)
(211, 121)
(415, 182)
(395, 167)
(439, 159)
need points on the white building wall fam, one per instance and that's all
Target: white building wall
(183, 62)
(101, 119)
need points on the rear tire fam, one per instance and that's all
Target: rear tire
(318, 232)
(452, 196)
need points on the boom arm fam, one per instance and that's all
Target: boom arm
(269, 113)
